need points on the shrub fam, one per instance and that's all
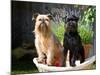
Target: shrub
(59, 31)
(86, 34)
(86, 25)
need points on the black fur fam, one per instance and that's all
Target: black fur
(72, 41)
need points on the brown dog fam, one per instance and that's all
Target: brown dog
(48, 47)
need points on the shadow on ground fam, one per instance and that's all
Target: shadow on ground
(22, 61)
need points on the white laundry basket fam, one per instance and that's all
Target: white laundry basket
(45, 68)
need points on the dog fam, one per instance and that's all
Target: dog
(72, 40)
(48, 47)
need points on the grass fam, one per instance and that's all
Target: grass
(93, 65)
(23, 67)
(22, 63)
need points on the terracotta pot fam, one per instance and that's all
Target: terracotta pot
(86, 49)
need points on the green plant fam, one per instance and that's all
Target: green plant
(59, 31)
(86, 34)
(89, 16)
(86, 25)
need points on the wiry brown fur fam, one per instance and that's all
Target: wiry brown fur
(48, 47)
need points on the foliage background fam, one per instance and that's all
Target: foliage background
(22, 39)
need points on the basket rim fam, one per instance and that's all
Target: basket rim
(87, 62)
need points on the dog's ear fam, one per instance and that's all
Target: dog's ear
(50, 16)
(64, 19)
(34, 16)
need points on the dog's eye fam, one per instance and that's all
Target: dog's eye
(70, 19)
(40, 19)
(46, 19)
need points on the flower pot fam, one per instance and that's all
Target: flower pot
(87, 47)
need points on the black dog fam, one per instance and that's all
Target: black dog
(72, 41)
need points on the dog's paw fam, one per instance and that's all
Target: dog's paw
(81, 61)
(43, 61)
(49, 64)
(72, 64)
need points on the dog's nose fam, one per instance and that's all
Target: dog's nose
(43, 21)
(70, 23)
